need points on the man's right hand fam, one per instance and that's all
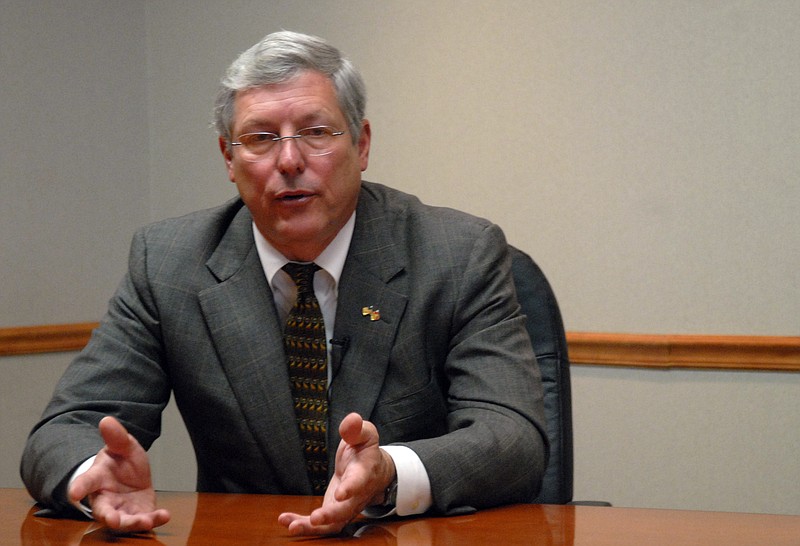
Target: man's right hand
(118, 485)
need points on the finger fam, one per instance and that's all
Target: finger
(114, 513)
(294, 522)
(132, 523)
(118, 512)
(105, 514)
(351, 485)
(301, 525)
(335, 514)
(137, 523)
(86, 483)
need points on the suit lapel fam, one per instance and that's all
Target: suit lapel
(241, 317)
(373, 262)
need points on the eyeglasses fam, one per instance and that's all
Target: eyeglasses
(313, 141)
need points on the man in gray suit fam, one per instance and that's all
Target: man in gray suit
(429, 395)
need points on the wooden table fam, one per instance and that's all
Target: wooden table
(219, 520)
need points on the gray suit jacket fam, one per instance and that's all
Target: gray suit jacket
(447, 369)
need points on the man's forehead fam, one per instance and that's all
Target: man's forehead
(311, 81)
(304, 97)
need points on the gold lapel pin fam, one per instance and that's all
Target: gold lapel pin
(373, 314)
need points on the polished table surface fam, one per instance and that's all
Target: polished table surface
(219, 520)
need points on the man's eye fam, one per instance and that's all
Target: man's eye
(315, 132)
(258, 138)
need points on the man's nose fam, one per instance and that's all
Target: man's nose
(290, 158)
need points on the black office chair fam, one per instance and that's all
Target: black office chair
(546, 330)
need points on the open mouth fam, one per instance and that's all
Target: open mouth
(293, 197)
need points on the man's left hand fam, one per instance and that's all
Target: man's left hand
(363, 472)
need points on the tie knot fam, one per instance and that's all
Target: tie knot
(302, 275)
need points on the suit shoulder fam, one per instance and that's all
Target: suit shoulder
(178, 245)
(395, 228)
(202, 225)
(403, 207)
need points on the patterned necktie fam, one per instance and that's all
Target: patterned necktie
(307, 353)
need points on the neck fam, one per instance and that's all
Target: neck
(301, 253)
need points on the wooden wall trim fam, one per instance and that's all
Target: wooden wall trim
(50, 338)
(685, 351)
(585, 348)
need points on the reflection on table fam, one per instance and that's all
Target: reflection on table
(219, 520)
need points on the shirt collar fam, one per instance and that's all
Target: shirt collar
(331, 259)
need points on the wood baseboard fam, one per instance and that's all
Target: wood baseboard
(585, 348)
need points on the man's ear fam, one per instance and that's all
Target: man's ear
(363, 144)
(226, 154)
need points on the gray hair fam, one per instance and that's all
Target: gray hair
(279, 57)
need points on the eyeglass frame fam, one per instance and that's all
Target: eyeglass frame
(278, 138)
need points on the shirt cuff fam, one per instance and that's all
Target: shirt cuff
(83, 467)
(413, 485)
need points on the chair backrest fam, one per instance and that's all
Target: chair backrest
(546, 330)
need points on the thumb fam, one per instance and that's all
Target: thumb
(116, 437)
(357, 432)
(351, 429)
(118, 444)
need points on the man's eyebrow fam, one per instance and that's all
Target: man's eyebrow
(268, 125)
(319, 117)
(254, 123)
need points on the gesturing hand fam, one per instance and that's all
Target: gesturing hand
(118, 484)
(363, 472)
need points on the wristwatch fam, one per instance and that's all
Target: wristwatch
(390, 495)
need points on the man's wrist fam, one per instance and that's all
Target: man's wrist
(390, 472)
(390, 494)
(413, 489)
(82, 505)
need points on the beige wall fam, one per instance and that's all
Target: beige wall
(645, 153)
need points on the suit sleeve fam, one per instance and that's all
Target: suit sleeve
(494, 451)
(118, 373)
